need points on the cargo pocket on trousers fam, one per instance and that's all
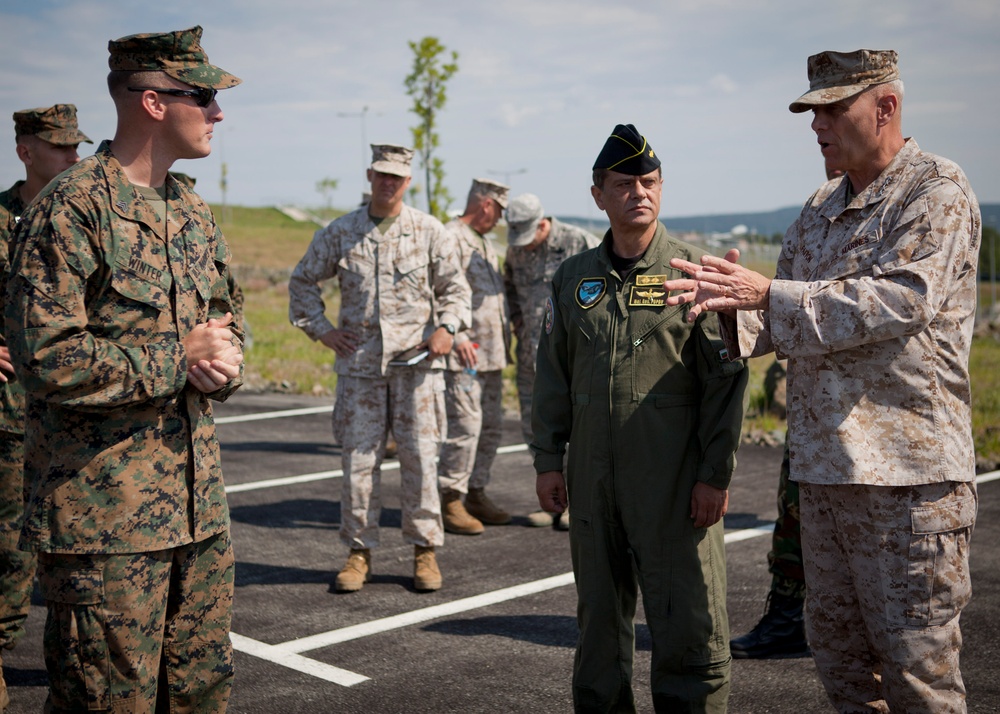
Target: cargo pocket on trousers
(939, 582)
(75, 637)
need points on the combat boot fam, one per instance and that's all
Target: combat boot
(426, 575)
(779, 634)
(540, 519)
(356, 572)
(479, 505)
(456, 519)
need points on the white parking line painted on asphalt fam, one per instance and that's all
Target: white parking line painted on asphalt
(323, 475)
(287, 654)
(291, 660)
(305, 411)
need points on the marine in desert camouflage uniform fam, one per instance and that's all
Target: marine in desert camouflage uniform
(47, 139)
(117, 315)
(401, 286)
(873, 305)
(473, 379)
(537, 246)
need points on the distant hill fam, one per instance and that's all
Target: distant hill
(763, 223)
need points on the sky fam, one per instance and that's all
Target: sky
(540, 86)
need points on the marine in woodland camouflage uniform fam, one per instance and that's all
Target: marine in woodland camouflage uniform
(652, 411)
(873, 305)
(401, 286)
(473, 378)
(537, 246)
(117, 315)
(47, 139)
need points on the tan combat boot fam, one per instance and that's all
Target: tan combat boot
(479, 505)
(356, 572)
(456, 519)
(540, 519)
(426, 575)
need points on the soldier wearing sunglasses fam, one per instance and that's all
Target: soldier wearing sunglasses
(120, 326)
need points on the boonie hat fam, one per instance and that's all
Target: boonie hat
(391, 159)
(838, 75)
(177, 54)
(490, 189)
(627, 152)
(55, 124)
(523, 215)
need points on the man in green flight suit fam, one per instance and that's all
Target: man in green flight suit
(653, 408)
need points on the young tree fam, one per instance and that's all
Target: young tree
(426, 84)
(326, 187)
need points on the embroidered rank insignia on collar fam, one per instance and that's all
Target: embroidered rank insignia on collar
(648, 291)
(121, 205)
(590, 291)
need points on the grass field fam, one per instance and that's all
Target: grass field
(266, 245)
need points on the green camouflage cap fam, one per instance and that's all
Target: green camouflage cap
(490, 189)
(55, 124)
(391, 159)
(838, 75)
(177, 54)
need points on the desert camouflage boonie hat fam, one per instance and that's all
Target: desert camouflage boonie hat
(490, 189)
(838, 75)
(177, 54)
(391, 159)
(55, 124)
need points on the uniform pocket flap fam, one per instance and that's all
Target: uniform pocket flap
(663, 401)
(944, 518)
(72, 587)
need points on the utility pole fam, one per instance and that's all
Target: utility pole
(364, 142)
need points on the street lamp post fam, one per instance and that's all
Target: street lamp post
(507, 174)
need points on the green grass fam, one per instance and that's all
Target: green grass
(266, 245)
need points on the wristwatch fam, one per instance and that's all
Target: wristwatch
(449, 328)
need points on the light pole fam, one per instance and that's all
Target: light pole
(364, 142)
(507, 174)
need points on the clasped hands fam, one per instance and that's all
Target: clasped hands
(214, 354)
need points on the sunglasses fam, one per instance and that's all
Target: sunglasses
(203, 96)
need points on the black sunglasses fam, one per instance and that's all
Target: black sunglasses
(203, 96)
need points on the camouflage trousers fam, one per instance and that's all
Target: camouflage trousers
(17, 568)
(139, 632)
(475, 425)
(887, 569)
(785, 558)
(410, 401)
(525, 380)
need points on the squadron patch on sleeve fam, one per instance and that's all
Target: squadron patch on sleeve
(590, 291)
(550, 315)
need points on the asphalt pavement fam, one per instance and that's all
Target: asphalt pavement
(500, 635)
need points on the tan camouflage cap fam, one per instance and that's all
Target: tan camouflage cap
(55, 124)
(523, 216)
(391, 159)
(177, 54)
(838, 75)
(490, 189)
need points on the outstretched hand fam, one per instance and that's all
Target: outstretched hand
(718, 285)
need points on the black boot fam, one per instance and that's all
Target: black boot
(780, 633)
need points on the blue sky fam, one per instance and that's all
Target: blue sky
(541, 84)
